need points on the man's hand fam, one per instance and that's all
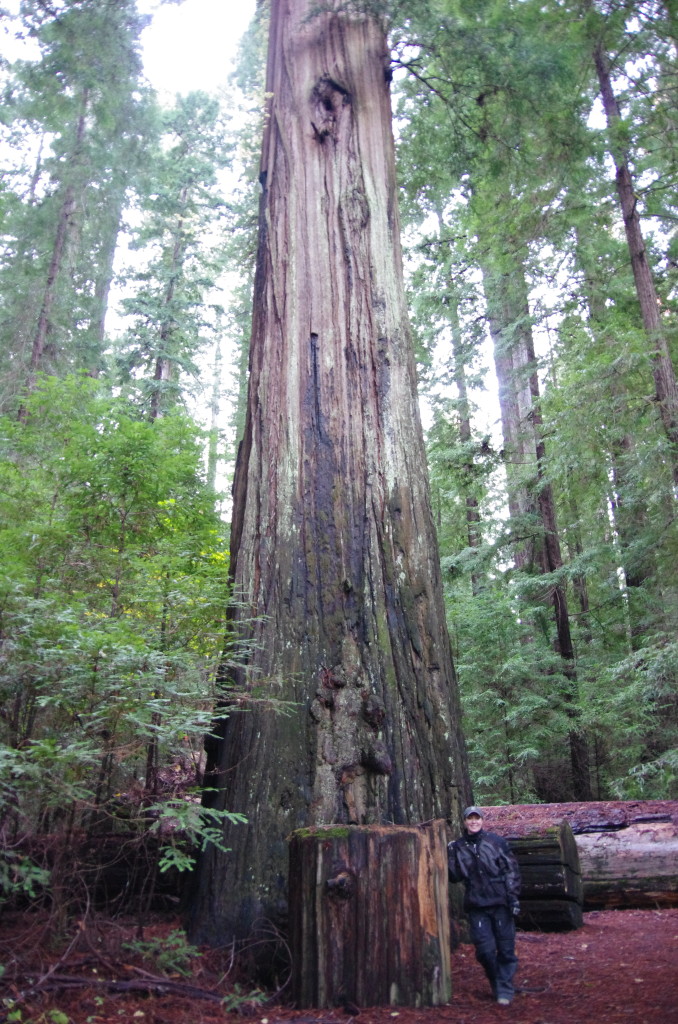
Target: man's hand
(515, 909)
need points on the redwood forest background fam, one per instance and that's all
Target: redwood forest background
(537, 162)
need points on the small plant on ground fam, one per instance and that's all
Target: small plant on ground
(169, 954)
(241, 998)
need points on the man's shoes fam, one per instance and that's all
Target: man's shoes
(504, 1001)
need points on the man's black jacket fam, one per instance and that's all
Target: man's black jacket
(485, 864)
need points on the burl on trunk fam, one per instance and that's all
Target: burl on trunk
(337, 589)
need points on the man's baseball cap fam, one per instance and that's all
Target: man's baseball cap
(472, 810)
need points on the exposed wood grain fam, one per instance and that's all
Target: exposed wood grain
(634, 867)
(628, 849)
(369, 916)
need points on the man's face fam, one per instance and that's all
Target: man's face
(473, 823)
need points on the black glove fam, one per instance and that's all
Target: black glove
(515, 909)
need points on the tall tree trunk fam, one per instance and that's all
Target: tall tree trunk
(515, 361)
(662, 367)
(579, 582)
(164, 363)
(473, 522)
(552, 561)
(337, 587)
(630, 514)
(215, 408)
(507, 315)
(112, 221)
(64, 228)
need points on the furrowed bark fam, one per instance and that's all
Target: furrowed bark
(334, 559)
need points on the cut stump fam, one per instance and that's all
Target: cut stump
(369, 922)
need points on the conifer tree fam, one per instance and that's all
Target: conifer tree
(335, 568)
(77, 112)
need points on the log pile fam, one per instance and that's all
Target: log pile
(369, 920)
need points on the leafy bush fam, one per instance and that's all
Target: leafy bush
(113, 593)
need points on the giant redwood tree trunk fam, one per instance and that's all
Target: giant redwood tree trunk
(336, 580)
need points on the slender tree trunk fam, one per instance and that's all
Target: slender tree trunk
(662, 367)
(552, 562)
(459, 361)
(102, 288)
(579, 583)
(473, 522)
(215, 403)
(65, 226)
(336, 577)
(630, 515)
(164, 363)
(507, 315)
(510, 326)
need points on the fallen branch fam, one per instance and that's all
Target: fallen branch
(150, 984)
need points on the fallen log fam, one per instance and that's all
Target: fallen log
(369, 920)
(628, 849)
(634, 867)
(550, 915)
(146, 986)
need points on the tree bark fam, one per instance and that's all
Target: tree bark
(531, 495)
(630, 514)
(164, 363)
(111, 222)
(662, 366)
(551, 562)
(506, 315)
(369, 916)
(64, 229)
(549, 862)
(627, 849)
(636, 866)
(473, 522)
(336, 580)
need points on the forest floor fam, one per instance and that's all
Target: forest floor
(622, 966)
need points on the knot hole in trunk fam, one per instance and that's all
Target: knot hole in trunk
(342, 886)
(328, 100)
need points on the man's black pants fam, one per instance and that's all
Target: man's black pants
(493, 933)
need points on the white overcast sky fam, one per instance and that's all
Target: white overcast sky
(189, 46)
(192, 46)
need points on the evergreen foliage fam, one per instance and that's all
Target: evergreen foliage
(72, 128)
(113, 560)
(171, 308)
(113, 584)
(519, 178)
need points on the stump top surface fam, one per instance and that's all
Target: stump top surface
(344, 831)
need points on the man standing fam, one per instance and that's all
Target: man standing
(484, 862)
